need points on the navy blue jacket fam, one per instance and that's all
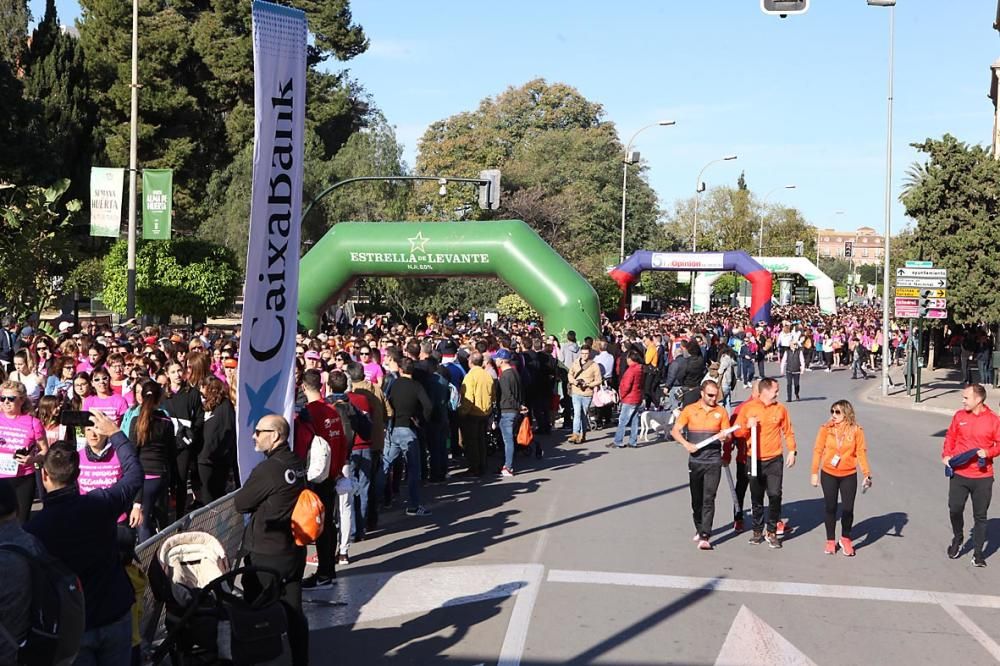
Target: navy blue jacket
(82, 531)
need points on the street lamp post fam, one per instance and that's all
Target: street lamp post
(697, 191)
(763, 212)
(698, 188)
(891, 4)
(625, 162)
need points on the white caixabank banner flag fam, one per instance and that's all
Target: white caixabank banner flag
(270, 296)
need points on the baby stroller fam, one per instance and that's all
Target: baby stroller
(208, 621)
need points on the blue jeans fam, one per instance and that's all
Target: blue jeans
(361, 473)
(581, 404)
(403, 442)
(507, 420)
(109, 645)
(628, 418)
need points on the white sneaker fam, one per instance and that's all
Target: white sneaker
(506, 472)
(828, 369)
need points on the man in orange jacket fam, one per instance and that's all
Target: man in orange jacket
(769, 419)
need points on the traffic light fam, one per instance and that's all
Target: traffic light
(784, 7)
(848, 249)
(489, 194)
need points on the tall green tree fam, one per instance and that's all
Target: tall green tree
(196, 103)
(14, 113)
(56, 87)
(561, 172)
(957, 209)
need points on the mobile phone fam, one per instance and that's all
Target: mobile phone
(23, 451)
(69, 417)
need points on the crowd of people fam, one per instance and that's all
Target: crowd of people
(143, 420)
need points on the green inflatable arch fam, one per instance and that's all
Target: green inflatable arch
(509, 250)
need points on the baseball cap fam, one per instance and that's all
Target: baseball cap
(313, 355)
(27, 332)
(65, 326)
(501, 355)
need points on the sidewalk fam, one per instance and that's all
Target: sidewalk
(940, 392)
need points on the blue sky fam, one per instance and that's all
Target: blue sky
(801, 100)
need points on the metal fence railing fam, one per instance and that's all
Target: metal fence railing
(218, 519)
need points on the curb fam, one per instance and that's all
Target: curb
(874, 396)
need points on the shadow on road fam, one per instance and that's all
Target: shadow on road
(803, 516)
(870, 530)
(421, 640)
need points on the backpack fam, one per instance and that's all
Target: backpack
(57, 611)
(318, 455)
(318, 460)
(308, 517)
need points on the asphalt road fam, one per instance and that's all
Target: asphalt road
(586, 557)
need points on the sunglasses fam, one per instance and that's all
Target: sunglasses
(836, 411)
(365, 353)
(711, 395)
(8, 398)
(99, 380)
(41, 348)
(257, 431)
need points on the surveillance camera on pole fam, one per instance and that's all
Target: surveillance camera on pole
(489, 193)
(784, 8)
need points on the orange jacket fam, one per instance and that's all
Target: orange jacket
(773, 422)
(844, 440)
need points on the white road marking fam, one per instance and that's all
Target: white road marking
(520, 619)
(753, 642)
(857, 592)
(381, 596)
(973, 629)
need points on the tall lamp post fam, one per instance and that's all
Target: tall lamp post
(699, 187)
(760, 238)
(891, 4)
(625, 162)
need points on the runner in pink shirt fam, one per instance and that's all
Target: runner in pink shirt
(19, 432)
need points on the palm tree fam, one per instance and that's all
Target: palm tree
(916, 174)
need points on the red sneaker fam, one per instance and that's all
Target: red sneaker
(738, 525)
(846, 547)
(831, 547)
(780, 528)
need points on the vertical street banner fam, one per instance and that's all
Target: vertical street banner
(157, 191)
(106, 189)
(271, 292)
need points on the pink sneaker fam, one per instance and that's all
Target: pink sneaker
(703, 544)
(831, 547)
(846, 547)
(506, 472)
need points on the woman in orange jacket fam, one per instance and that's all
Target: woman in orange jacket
(840, 449)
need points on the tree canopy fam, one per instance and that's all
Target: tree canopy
(955, 200)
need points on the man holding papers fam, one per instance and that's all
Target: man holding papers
(700, 429)
(763, 422)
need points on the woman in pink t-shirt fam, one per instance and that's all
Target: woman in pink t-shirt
(111, 405)
(22, 441)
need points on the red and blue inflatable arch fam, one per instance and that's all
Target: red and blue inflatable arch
(759, 277)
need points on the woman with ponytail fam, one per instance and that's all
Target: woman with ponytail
(152, 432)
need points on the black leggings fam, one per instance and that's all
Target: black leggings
(847, 487)
(742, 482)
(24, 488)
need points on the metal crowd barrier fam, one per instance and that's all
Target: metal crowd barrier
(218, 519)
